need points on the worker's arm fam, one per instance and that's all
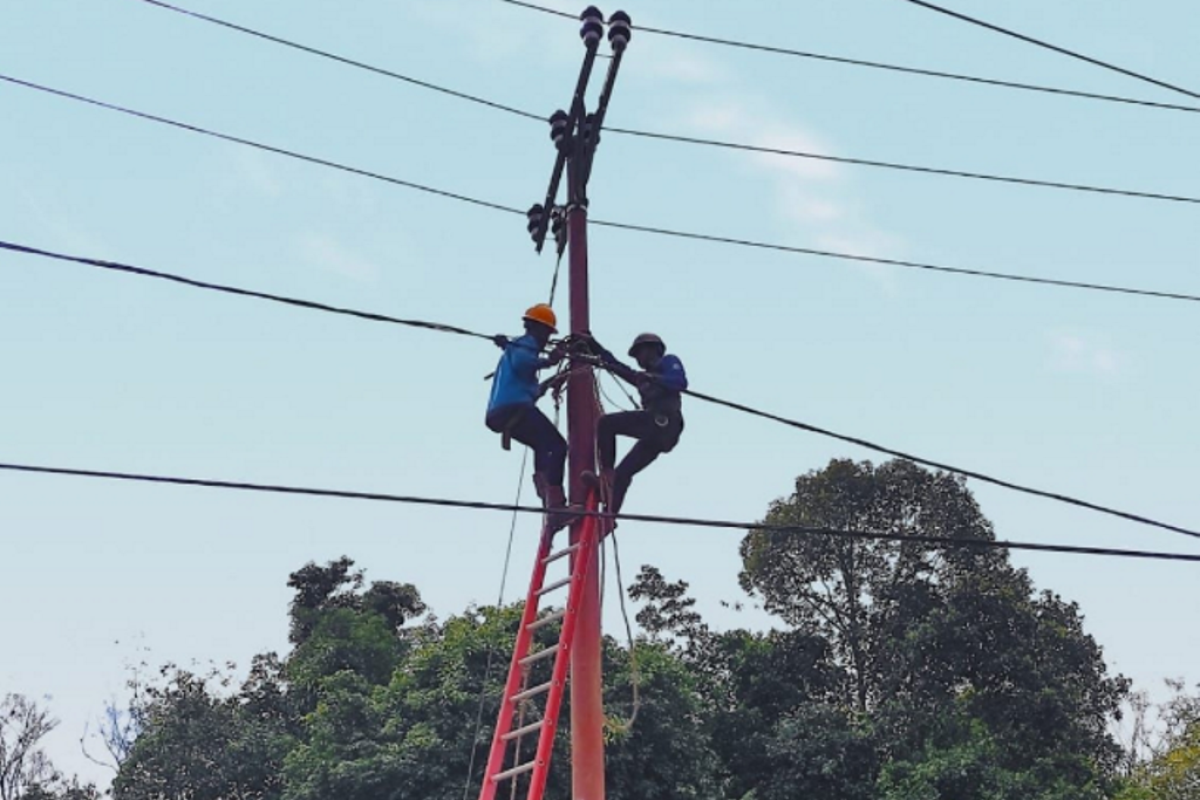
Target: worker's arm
(623, 371)
(611, 362)
(671, 374)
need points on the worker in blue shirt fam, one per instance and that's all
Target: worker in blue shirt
(512, 411)
(656, 427)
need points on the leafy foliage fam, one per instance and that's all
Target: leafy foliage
(901, 672)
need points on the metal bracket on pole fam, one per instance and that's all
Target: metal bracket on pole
(563, 124)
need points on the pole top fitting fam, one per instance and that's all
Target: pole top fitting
(559, 121)
(592, 29)
(620, 31)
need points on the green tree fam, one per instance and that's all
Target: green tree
(926, 634)
(767, 702)
(24, 766)
(196, 744)
(1172, 771)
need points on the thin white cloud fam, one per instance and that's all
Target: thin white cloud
(254, 171)
(326, 253)
(676, 63)
(812, 196)
(1074, 352)
(62, 231)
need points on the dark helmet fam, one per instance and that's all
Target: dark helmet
(646, 338)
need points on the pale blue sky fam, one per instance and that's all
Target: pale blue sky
(1083, 393)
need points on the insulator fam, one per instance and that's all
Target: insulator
(558, 125)
(620, 30)
(537, 218)
(590, 129)
(591, 32)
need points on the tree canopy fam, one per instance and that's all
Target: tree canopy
(898, 671)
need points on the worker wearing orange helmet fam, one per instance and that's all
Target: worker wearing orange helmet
(512, 409)
(657, 427)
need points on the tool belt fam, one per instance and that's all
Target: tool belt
(504, 426)
(668, 428)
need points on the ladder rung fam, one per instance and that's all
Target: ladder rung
(553, 586)
(539, 655)
(519, 732)
(546, 620)
(514, 772)
(566, 551)
(534, 692)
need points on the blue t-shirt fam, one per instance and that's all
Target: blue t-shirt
(516, 381)
(669, 371)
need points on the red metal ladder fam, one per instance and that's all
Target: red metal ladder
(503, 762)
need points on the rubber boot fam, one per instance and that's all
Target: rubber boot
(558, 516)
(603, 484)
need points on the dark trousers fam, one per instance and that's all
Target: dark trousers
(532, 429)
(639, 425)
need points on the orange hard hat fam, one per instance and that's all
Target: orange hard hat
(544, 314)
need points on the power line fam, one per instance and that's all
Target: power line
(937, 541)
(893, 165)
(878, 65)
(344, 60)
(690, 140)
(979, 476)
(1048, 46)
(749, 243)
(261, 146)
(217, 287)
(918, 265)
(208, 286)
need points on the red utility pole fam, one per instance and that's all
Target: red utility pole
(587, 699)
(576, 134)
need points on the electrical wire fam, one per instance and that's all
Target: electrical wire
(343, 59)
(1048, 46)
(915, 168)
(461, 331)
(878, 65)
(635, 672)
(693, 140)
(891, 262)
(804, 426)
(261, 146)
(302, 491)
(217, 287)
(623, 225)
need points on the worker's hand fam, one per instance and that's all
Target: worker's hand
(500, 340)
(552, 384)
(557, 352)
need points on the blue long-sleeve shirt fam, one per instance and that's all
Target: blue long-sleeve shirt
(516, 383)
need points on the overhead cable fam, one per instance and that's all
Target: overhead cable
(892, 262)
(217, 287)
(979, 476)
(694, 140)
(344, 60)
(611, 224)
(1048, 46)
(878, 65)
(142, 272)
(893, 165)
(933, 541)
(261, 146)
